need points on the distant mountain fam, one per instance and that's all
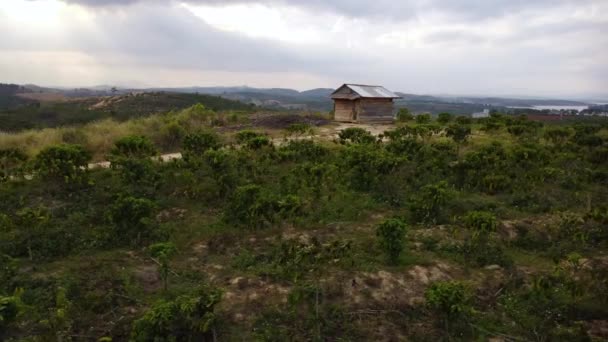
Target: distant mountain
(317, 99)
(317, 92)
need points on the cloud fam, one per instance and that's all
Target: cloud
(390, 9)
(495, 46)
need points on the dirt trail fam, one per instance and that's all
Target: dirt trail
(328, 132)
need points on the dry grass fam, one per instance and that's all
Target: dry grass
(99, 137)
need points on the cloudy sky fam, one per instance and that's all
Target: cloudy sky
(548, 48)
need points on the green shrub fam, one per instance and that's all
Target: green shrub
(251, 206)
(132, 219)
(481, 222)
(303, 150)
(450, 300)
(133, 147)
(131, 158)
(196, 144)
(356, 135)
(242, 137)
(163, 251)
(12, 161)
(186, 318)
(464, 120)
(558, 135)
(459, 133)
(65, 163)
(404, 115)
(391, 235)
(9, 310)
(444, 118)
(429, 204)
(423, 118)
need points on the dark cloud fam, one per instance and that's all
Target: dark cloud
(172, 37)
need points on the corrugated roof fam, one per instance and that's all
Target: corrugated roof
(371, 91)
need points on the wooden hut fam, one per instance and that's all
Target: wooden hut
(363, 103)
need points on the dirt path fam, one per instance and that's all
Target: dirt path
(328, 132)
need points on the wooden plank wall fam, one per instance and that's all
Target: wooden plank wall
(343, 110)
(369, 110)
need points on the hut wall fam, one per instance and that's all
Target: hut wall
(343, 110)
(369, 110)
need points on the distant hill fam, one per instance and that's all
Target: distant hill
(275, 98)
(35, 114)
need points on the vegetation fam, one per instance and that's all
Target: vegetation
(447, 229)
(31, 114)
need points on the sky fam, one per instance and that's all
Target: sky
(542, 48)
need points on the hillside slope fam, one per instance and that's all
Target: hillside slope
(35, 114)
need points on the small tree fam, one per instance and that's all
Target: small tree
(450, 299)
(163, 252)
(391, 234)
(64, 163)
(458, 132)
(444, 118)
(31, 222)
(404, 115)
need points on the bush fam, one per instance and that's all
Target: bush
(250, 206)
(132, 218)
(404, 115)
(131, 156)
(356, 135)
(64, 163)
(557, 135)
(9, 310)
(133, 147)
(303, 150)
(187, 318)
(450, 299)
(482, 222)
(444, 118)
(458, 132)
(12, 161)
(464, 120)
(427, 207)
(391, 234)
(245, 135)
(196, 144)
(423, 118)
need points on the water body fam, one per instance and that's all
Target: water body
(579, 108)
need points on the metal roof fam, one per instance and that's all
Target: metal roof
(370, 91)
